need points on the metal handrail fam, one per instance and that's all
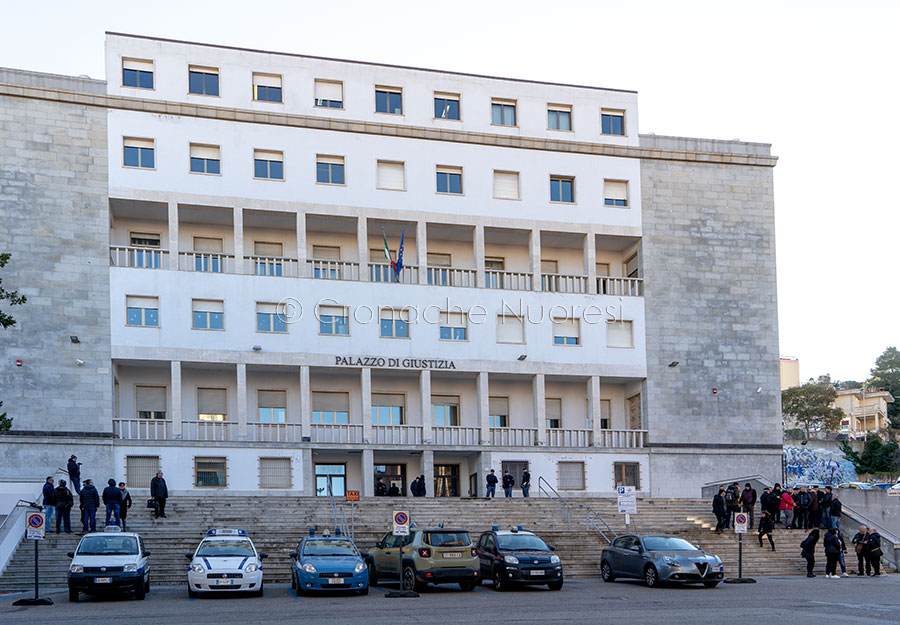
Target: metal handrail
(886, 534)
(558, 499)
(590, 523)
(13, 523)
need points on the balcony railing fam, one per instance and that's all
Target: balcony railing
(271, 266)
(143, 429)
(335, 433)
(568, 438)
(333, 269)
(455, 435)
(397, 434)
(623, 287)
(138, 257)
(451, 276)
(275, 432)
(382, 272)
(206, 262)
(208, 430)
(508, 280)
(513, 437)
(628, 439)
(563, 283)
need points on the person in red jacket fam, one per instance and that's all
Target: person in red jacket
(787, 509)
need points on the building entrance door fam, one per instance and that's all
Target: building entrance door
(394, 477)
(473, 485)
(446, 480)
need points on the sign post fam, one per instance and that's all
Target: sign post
(401, 528)
(740, 528)
(627, 502)
(35, 525)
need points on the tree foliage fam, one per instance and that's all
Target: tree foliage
(13, 297)
(5, 422)
(886, 374)
(876, 457)
(809, 406)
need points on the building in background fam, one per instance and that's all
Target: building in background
(790, 372)
(865, 411)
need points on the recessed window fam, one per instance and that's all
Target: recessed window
(208, 314)
(150, 402)
(394, 323)
(203, 80)
(275, 473)
(387, 408)
(498, 412)
(268, 165)
(148, 256)
(627, 474)
(631, 266)
(145, 239)
(330, 169)
(562, 189)
(142, 311)
(210, 472)
(612, 122)
(141, 469)
(137, 73)
(267, 87)
(559, 117)
(269, 319)
(570, 475)
(205, 159)
(449, 180)
(445, 410)
(620, 334)
(208, 254)
(510, 329)
(553, 413)
(212, 404)
(453, 326)
(446, 106)
(331, 408)
(390, 175)
(329, 94)
(140, 153)
(333, 321)
(389, 100)
(615, 193)
(272, 406)
(503, 112)
(268, 259)
(565, 332)
(605, 414)
(506, 185)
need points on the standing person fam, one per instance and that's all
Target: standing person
(90, 501)
(159, 493)
(64, 503)
(748, 501)
(508, 482)
(394, 490)
(803, 509)
(815, 512)
(808, 551)
(112, 499)
(422, 491)
(825, 506)
(414, 487)
(837, 511)
(832, 553)
(786, 507)
(862, 550)
(74, 469)
(776, 503)
(766, 528)
(526, 482)
(733, 502)
(48, 492)
(126, 503)
(380, 487)
(720, 510)
(841, 560)
(873, 544)
(765, 500)
(795, 495)
(491, 481)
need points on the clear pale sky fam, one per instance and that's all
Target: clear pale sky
(818, 80)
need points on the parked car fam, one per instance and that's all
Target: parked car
(109, 562)
(225, 561)
(856, 485)
(328, 562)
(429, 556)
(657, 558)
(518, 557)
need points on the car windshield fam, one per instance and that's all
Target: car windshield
(225, 549)
(326, 548)
(667, 543)
(108, 546)
(447, 539)
(521, 542)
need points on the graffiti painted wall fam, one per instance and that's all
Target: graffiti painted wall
(807, 464)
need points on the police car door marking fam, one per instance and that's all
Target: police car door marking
(208, 565)
(241, 565)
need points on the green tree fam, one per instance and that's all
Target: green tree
(809, 406)
(5, 422)
(886, 374)
(7, 321)
(876, 456)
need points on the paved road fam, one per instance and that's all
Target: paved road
(793, 600)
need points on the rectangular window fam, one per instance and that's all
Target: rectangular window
(553, 413)
(212, 404)
(333, 321)
(329, 169)
(605, 414)
(549, 266)
(620, 334)
(142, 311)
(275, 473)
(267, 87)
(272, 406)
(612, 122)
(329, 94)
(203, 80)
(631, 266)
(268, 261)
(559, 117)
(506, 185)
(331, 479)
(331, 408)
(208, 254)
(446, 106)
(565, 332)
(449, 180)
(627, 474)
(389, 100)
(269, 319)
(453, 326)
(268, 165)
(139, 470)
(571, 475)
(150, 402)
(390, 175)
(208, 245)
(208, 314)
(205, 159)
(498, 412)
(437, 259)
(210, 472)
(137, 73)
(394, 323)
(503, 112)
(615, 193)
(510, 329)
(387, 408)
(445, 410)
(562, 189)
(144, 239)
(140, 153)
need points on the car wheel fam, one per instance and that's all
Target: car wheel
(710, 584)
(467, 586)
(293, 582)
(409, 579)
(259, 593)
(364, 591)
(555, 585)
(140, 591)
(651, 576)
(373, 574)
(73, 595)
(147, 584)
(191, 593)
(499, 583)
(606, 572)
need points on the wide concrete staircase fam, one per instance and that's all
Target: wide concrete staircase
(276, 525)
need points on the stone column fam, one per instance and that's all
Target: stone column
(534, 256)
(362, 248)
(540, 408)
(301, 245)
(308, 477)
(425, 405)
(368, 473)
(305, 404)
(365, 393)
(239, 240)
(173, 235)
(478, 244)
(175, 408)
(422, 251)
(593, 388)
(482, 386)
(590, 262)
(427, 469)
(242, 401)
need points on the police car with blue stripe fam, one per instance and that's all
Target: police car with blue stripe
(225, 561)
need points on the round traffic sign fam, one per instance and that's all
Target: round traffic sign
(36, 520)
(400, 518)
(740, 519)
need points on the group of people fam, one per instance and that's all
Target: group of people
(866, 542)
(508, 483)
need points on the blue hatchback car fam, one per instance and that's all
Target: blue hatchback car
(328, 563)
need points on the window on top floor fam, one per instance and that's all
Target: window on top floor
(612, 122)
(203, 80)
(562, 189)
(559, 117)
(137, 73)
(389, 100)
(140, 153)
(503, 112)
(446, 106)
(205, 159)
(330, 169)
(615, 193)
(329, 94)
(267, 88)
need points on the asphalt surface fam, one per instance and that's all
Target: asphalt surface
(793, 600)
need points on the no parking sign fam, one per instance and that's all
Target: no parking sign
(401, 523)
(740, 523)
(34, 525)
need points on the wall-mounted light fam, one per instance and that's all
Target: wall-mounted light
(522, 357)
(79, 362)
(674, 363)
(257, 348)
(74, 339)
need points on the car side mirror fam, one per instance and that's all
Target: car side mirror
(552, 547)
(71, 554)
(698, 547)
(293, 555)
(189, 556)
(636, 548)
(146, 554)
(263, 556)
(379, 545)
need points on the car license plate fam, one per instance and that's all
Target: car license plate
(336, 580)
(535, 572)
(453, 554)
(103, 580)
(224, 582)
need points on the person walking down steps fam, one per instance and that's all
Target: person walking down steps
(808, 551)
(766, 528)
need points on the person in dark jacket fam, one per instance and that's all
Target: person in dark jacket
(808, 551)
(126, 503)
(803, 509)
(733, 502)
(825, 506)
(112, 499)
(815, 512)
(380, 488)
(74, 469)
(766, 528)
(775, 505)
(48, 493)
(720, 510)
(64, 503)
(748, 501)
(836, 512)
(422, 488)
(508, 482)
(159, 493)
(765, 500)
(832, 553)
(862, 551)
(841, 560)
(394, 491)
(491, 481)
(873, 543)
(526, 482)
(795, 495)
(90, 501)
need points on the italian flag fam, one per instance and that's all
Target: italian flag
(387, 250)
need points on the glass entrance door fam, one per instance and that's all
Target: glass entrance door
(337, 473)
(394, 477)
(446, 480)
